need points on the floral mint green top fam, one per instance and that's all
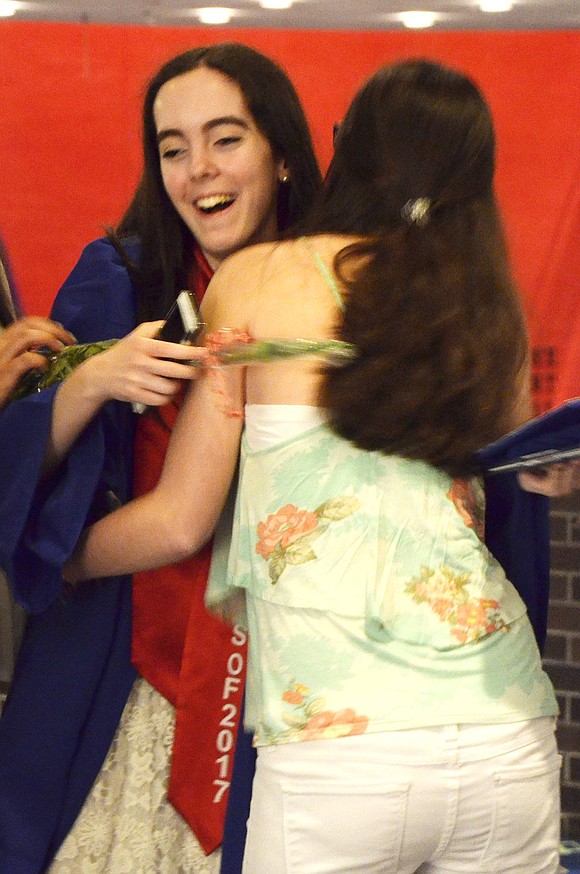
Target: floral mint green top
(372, 601)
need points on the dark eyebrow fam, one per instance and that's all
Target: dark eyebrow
(209, 125)
(226, 119)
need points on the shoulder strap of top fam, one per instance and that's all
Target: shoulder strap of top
(325, 273)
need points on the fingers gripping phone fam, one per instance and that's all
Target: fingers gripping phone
(182, 325)
(183, 321)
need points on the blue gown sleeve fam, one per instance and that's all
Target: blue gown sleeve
(40, 522)
(517, 531)
(74, 673)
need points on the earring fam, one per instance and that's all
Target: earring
(284, 178)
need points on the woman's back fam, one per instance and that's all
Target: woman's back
(355, 575)
(368, 584)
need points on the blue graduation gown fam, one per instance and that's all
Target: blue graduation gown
(74, 671)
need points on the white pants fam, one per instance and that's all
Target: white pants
(469, 798)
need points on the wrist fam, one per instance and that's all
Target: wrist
(88, 382)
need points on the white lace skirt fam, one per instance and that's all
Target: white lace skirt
(126, 825)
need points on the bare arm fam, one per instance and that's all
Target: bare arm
(134, 370)
(179, 515)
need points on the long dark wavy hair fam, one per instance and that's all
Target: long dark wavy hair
(166, 242)
(430, 302)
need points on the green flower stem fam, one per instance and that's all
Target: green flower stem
(261, 351)
(61, 364)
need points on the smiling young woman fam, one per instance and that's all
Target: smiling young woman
(228, 161)
(218, 168)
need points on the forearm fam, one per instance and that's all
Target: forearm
(139, 536)
(136, 369)
(175, 519)
(76, 403)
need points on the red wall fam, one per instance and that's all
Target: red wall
(70, 144)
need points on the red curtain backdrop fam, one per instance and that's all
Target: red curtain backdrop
(70, 144)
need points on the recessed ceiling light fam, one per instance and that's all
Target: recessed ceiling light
(495, 5)
(276, 4)
(8, 8)
(214, 14)
(417, 18)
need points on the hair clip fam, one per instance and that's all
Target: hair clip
(416, 212)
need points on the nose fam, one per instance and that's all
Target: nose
(201, 163)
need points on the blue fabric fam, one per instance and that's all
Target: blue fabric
(517, 531)
(517, 522)
(239, 798)
(553, 432)
(74, 671)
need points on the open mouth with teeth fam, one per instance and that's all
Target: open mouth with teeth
(215, 203)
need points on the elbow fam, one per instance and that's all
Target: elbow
(184, 538)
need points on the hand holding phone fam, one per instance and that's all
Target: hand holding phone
(182, 325)
(183, 321)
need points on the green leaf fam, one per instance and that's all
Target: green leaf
(314, 707)
(298, 552)
(60, 365)
(277, 568)
(295, 720)
(338, 508)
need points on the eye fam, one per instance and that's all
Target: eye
(170, 152)
(227, 141)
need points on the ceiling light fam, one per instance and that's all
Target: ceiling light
(418, 18)
(214, 14)
(276, 4)
(8, 8)
(495, 5)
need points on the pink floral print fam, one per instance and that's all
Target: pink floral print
(310, 721)
(283, 527)
(286, 536)
(446, 594)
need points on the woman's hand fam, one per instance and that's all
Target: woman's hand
(135, 369)
(554, 480)
(140, 369)
(19, 343)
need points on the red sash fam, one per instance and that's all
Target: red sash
(191, 658)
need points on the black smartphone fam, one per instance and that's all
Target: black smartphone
(182, 325)
(183, 321)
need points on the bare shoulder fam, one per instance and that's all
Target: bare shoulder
(260, 287)
(238, 283)
(253, 259)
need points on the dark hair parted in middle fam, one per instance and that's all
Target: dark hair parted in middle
(430, 302)
(167, 244)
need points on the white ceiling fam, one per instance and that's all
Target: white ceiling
(310, 14)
